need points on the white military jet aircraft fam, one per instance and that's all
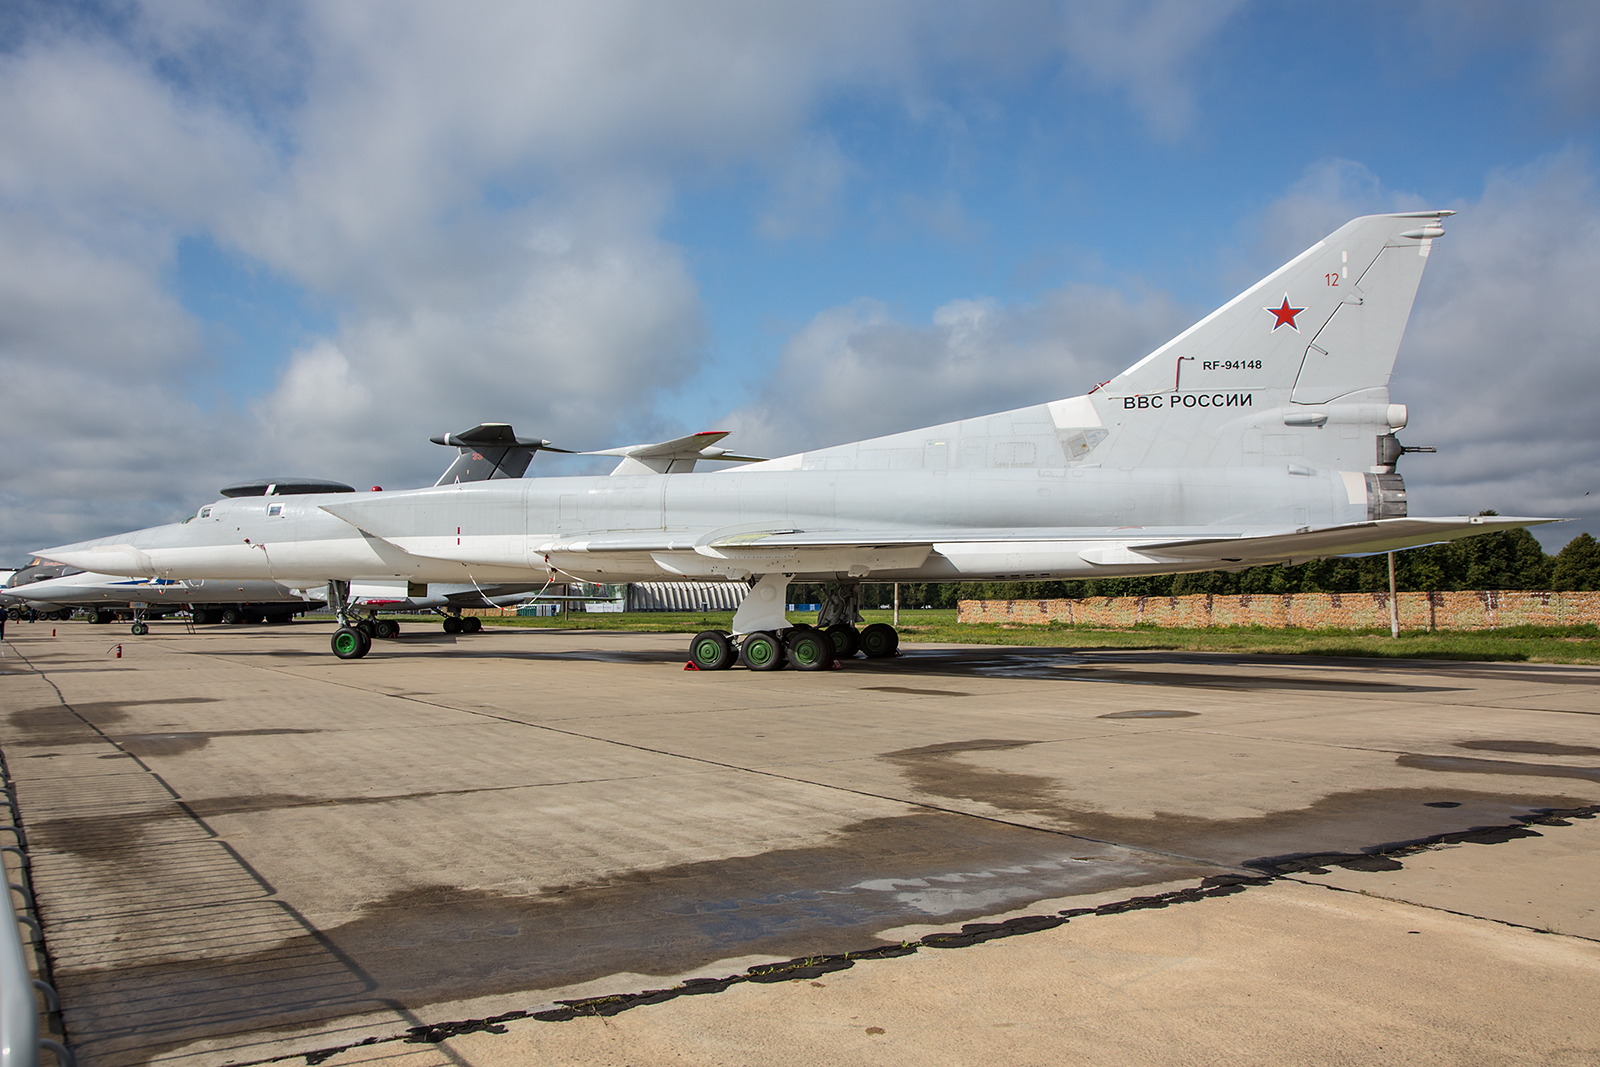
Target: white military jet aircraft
(106, 596)
(1262, 434)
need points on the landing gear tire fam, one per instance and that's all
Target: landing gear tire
(232, 616)
(809, 649)
(350, 643)
(452, 625)
(846, 640)
(762, 651)
(367, 627)
(712, 651)
(100, 618)
(471, 625)
(880, 640)
(140, 629)
(384, 629)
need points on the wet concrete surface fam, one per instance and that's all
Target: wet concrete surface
(236, 835)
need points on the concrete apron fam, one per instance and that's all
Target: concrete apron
(246, 849)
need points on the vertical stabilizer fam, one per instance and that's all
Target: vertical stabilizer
(489, 450)
(1326, 323)
(1293, 370)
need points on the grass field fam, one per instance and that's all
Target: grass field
(1574, 644)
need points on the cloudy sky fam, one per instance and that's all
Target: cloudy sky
(242, 240)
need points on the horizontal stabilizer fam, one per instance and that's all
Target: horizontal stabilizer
(677, 456)
(1351, 539)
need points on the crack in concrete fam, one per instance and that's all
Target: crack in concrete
(1443, 910)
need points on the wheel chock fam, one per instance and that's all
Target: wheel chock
(690, 666)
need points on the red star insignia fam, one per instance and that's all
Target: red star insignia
(1285, 315)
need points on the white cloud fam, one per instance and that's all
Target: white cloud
(1562, 39)
(1501, 363)
(853, 372)
(1144, 48)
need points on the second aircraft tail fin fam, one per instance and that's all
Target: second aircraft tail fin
(490, 450)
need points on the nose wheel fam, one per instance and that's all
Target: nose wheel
(350, 643)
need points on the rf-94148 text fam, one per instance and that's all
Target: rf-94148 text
(1232, 364)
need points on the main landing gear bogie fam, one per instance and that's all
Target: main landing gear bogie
(802, 647)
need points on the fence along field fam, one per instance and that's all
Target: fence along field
(1458, 611)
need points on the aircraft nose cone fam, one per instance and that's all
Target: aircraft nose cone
(103, 558)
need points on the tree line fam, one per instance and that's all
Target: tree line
(1511, 559)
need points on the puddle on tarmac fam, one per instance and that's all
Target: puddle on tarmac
(174, 744)
(1348, 822)
(444, 943)
(1468, 765)
(1154, 713)
(1538, 748)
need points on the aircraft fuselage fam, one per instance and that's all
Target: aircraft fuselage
(1043, 520)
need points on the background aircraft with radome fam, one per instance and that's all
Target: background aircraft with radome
(1264, 433)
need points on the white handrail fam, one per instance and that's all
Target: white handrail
(19, 1011)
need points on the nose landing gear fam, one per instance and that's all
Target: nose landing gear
(350, 640)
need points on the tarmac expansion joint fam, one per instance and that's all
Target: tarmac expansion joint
(1445, 911)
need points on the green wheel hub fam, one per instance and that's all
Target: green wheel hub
(761, 653)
